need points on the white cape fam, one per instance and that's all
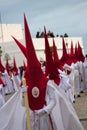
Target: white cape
(12, 114)
(64, 114)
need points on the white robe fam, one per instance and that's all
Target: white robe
(45, 121)
(2, 99)
(85, 72)
(82, 75)
(66, 85)
(16, 82)
(8, 85)
(76, 79)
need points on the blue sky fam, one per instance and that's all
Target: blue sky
(59, 16)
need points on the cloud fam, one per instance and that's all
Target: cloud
(58, 16)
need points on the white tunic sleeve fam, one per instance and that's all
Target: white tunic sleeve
(51, 99)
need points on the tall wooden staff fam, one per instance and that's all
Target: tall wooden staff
(26, 102)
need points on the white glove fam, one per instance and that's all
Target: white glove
(24, 89)
(40, 112)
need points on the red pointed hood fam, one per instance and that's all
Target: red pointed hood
(32, 61)
(34, 76)
(24, 65)
(7, 65)
(76, 54)
(70, 59)
(15, 69)
(2, 82)
(81, 57)
(71, 49)
(22, 48)
(64, 48)
(56, 57)
(64, 53)
(55, 54)
(2, 68)
(51, 69)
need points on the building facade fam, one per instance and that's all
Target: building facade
(10, 48)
